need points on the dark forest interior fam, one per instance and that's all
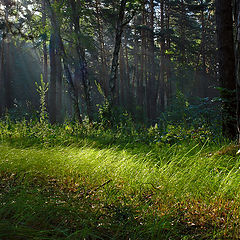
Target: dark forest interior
(119, 119)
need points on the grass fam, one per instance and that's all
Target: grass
(75, 182)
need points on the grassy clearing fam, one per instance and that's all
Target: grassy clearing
(100, 187)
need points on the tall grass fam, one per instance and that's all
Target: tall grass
(79, 182)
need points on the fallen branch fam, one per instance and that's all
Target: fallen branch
(91, 191)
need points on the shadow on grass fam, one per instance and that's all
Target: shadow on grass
(46, 209)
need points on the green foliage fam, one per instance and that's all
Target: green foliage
(177, 111)
(197, 113)
(114, 117)
(82, 181)
(42, 89)
(175, 134)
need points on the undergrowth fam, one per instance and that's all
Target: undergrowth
(88, 182)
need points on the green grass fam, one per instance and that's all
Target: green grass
(75, 182)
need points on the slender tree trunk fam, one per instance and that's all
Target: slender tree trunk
(7, 78)
(8, 75)
(130, 86)
(203, 40)
(200, 77)
(135, 78)
(118, 39)
(151, 86)
(168, 84)
(45, 52)
(123, 86)
(162, 62)
(103, 70)
(81, 59)
(204, 82)
(182, 57)
(142, 77)
(2, 87)
(53, 76)
(226, 65)
(59, 81)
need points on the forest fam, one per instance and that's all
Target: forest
(120, 119)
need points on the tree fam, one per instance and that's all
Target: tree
(5, 71)
(237, 26)
(60, 46)
(115, 58)
(81, 62)
(168, 46)
(103, 76)
(226, 66)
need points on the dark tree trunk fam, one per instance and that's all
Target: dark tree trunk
(237, 21)
(143, 75)
(135, 78)
(200, 76)
(7, 75)
(82, 60)
(72, 88)
(123, 86)
(53, 76)
(45, 52)
(151, 86)
(226, 66)
(59, 81)
(7, 78)
(168, 92)
(118, 39)
(203, 41)
(129, 90)
(103, 70)
(2, 87)
(182, 58)
(55, 87)
(161, 91)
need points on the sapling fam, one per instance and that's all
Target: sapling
(42, 89)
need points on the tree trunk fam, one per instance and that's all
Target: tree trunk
(130, 86)
(81, 59)
(72, 89)
(200, 76)
(226, 66)
(59, 81)
(135, 78)
(7, 76)
(142, 77)
(2, 87)
(45, 50)
(45, 53)
(123, 86)
(118, 39)
(55, 87)
(151, 86)
(237, 21)
(103, 70)
(162, 62)
(53, 76)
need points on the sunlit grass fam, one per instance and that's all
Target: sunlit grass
(100, 188)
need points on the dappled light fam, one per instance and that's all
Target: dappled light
(119, 119)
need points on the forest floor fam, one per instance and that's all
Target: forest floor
(93, 190)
